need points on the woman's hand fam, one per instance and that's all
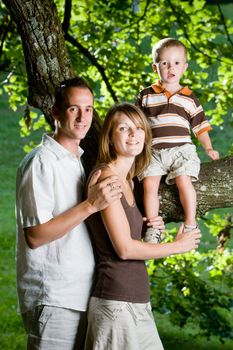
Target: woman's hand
(156, 222)
(189, 240)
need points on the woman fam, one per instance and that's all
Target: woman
(119, 315)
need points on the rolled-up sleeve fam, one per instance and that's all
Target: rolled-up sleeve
(35, 195)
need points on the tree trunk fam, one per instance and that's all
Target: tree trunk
(47, 62)
(45, 55)
(214, 190)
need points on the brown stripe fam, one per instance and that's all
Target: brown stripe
(169, 131)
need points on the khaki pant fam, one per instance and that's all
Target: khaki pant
(54, 328)
(117, 325)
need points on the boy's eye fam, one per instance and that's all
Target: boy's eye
(163, 63)
(177, 63)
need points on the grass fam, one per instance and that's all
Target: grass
(12, 335)
(176, 338)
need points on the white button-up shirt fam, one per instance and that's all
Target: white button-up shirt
(50, 180)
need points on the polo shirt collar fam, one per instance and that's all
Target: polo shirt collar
(158, 88)
(58, 149)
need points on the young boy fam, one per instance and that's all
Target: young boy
(172, 111)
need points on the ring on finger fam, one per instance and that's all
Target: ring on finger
(111, 186)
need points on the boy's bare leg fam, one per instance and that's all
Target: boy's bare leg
(188, 199)
(151, 206)
(150, 195)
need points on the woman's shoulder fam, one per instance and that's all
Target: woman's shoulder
(105, 171)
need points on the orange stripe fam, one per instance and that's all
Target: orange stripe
(159, 88)
(208, 128)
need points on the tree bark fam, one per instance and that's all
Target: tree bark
(47, 64)
(214, 190)
(45, 55)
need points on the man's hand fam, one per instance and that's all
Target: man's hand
(101, 194)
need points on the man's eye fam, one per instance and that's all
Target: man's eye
(73, 109)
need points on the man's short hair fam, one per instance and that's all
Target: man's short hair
(164, 43)
(61, 90)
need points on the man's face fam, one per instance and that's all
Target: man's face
(172, 64)
(75, 118)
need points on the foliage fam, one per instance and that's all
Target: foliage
(190, 289)
(12, 333)
(196, 289)
(110, 44)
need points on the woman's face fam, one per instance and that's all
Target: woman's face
(127, 137)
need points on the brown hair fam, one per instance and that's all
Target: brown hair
(164, 43)
(63, 88)
(106, 150)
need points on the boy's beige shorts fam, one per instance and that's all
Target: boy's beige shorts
(173, 162)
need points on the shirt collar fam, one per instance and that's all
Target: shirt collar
(58, 149)
(158, 88)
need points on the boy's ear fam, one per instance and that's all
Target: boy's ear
(186, 66)
(154, 68)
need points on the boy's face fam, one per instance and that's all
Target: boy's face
(172, 65)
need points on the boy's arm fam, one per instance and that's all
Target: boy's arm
(207, 145)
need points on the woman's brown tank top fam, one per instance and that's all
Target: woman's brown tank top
(117, 279)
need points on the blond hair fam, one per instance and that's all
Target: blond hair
(164, 43)
(106, 151)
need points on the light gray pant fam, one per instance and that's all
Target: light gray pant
(118, 325)
(54, 328)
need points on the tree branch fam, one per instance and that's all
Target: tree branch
(224, 24)
(141, 18)
(67, 16)
(216, 58)
(83, 50)
(144, 13)
(5, 30)
(214, 190)
(94, 61)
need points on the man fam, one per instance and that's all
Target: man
(55, 263)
